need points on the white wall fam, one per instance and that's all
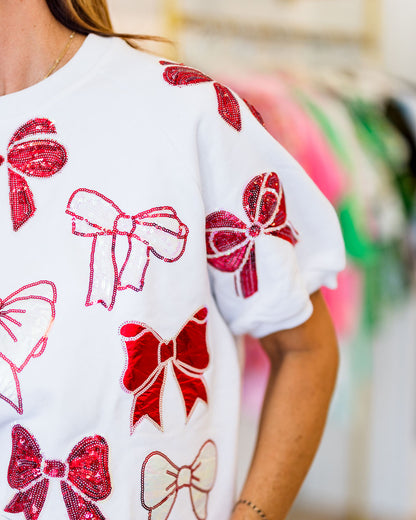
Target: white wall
(399, 37)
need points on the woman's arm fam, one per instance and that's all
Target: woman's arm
(304, 363)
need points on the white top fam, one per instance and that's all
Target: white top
(119, 373)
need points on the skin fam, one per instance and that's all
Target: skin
(304, 360)
(30, 42)
(304, 363)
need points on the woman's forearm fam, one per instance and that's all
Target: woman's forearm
(304, 364)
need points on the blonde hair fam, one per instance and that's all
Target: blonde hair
(92, 16)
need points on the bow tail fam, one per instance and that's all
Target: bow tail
(21, 200)
(78, 507)
(10, 386)
(286, 233)
(163, 510)
(134, 269)
(246, 282)
(103, 273)
(192, 388)
(148, 402)
(228, 106)
(29, 502)
(199, 501)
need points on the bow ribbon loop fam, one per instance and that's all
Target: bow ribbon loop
(148, 356)
(26, 317)
(122, 243)
(32, 151)
(85, 471)
(231, 242)
(162, 480)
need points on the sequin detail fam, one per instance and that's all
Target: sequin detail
(255, 112)
(26, 317)
(157, 231)
(162, 480)
(231, 242)
(228, 107)
(84, 477)
(32, 152)
(148, 357)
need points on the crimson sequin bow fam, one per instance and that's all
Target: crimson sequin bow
(228, 106)
(162, 480)
(231, 242)
(83, 477)
(34, 153)
(148, 358)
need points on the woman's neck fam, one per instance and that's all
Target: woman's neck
(30, 42)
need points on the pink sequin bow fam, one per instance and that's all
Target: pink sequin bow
(231, 242)
(148, 359)
(122, 243)
(162, 480)
(83, 478)
(34, 153)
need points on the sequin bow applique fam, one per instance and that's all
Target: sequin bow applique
(26, 317)
(162, 480)
(158, 231)
(84, 477)
(231, 242)
(34, 153)
(148, 356)
(228, 106)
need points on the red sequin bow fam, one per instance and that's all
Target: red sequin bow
(162, 480)
(158, 231)
(84, 476)
(228, 106)
(148, 358)
(31, 152)
(231, 242)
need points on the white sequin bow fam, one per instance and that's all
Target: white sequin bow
(122, 243)
(162, 480)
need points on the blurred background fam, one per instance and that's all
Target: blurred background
(335, 81)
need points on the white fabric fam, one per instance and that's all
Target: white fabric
(142, 143)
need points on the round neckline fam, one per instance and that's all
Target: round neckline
(81, 64)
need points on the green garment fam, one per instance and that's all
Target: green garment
(386, 278)
(385, 144)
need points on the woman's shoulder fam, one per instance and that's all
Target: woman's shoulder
(179, 89)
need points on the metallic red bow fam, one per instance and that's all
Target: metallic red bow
(85, 470)
(158, 231)
(148, 358)
(31, 152)
(231, 242)
(162, 480)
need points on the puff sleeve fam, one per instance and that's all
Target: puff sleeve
(272, 237)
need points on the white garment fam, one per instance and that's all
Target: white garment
(135, 165)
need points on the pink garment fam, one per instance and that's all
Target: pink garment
(345, 302)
